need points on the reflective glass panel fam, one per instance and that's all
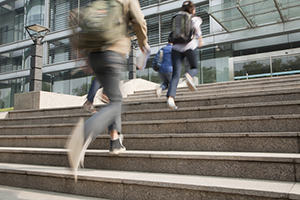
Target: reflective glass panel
(286, 63)
(252, 69)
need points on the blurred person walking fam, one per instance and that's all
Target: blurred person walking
(184, 45)
(164, 61)
(108, 62)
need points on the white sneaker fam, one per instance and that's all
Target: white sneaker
(104, 98)
(74, 146)
(88, 106)
(171, 103)
(158, 91)
(189, 82)
(116, 146)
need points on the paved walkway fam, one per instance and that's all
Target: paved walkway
(14, 193)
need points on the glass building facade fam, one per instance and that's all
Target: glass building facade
(243, 39)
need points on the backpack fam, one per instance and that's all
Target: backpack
(100, 23)
(157, 65)
(182, 28)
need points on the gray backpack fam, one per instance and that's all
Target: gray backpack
(101, 23)
(182, 28)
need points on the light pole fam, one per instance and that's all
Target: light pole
(37, 34)
(132, 58)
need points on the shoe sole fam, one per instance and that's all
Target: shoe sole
(90, 111)
(158, 93)
(116, 152)
(172, 107)
(191, 85)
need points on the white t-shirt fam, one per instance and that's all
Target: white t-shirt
(192, 45)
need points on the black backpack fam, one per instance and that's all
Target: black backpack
(182, 28)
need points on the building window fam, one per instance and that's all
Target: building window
(15, 60)
(153, 29)
(61, 51)
(65, 82)
(148, 2)
(12, 28)
(8, 89)
(59, 12)
(35, 12)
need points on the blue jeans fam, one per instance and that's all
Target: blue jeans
(107, 66)
(177, 58)
(165, 78)
(93, 90)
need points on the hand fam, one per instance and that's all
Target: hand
(201, 42)
(144, 47)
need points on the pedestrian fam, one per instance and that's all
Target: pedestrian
(180, 50)
(163, 58)
(95, 86)
(88, 104)
(108, 62)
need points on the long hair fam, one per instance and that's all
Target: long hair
(188, 6)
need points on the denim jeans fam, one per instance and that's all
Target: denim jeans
(107, 66)
(165, 78)
(177, 58)
(93, 90)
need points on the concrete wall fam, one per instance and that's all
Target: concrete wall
(42, 99)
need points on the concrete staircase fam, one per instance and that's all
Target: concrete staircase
(232, 140)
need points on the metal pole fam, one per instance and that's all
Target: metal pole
(132, 63)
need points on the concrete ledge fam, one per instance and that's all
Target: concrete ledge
(3, 115)
(42, 99)
(17, 193)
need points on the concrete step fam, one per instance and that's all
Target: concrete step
(230, 110)
(140, 185)
(218, 91)
(268, 123)
(17, 193)
(271, 123)
(242, 83)
(250, 109)
(181, 102)
(276, 142)
(267, 166)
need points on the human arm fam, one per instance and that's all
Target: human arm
(139, 23)
(197, 21)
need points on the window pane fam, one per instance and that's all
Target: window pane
(153, 29)
(252, 69)
(60, 51)
(283, 65)
(59, 13)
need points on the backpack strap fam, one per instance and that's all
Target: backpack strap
(161, 54)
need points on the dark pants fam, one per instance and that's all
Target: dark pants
(165, 78)
(107, 66)
(177, 58)
(93, 90)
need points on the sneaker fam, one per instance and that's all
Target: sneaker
(189, 82)
(74, 146)
(104, 98)
(88, 106)
(171, 103)
(158, 91)
(116, 146)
